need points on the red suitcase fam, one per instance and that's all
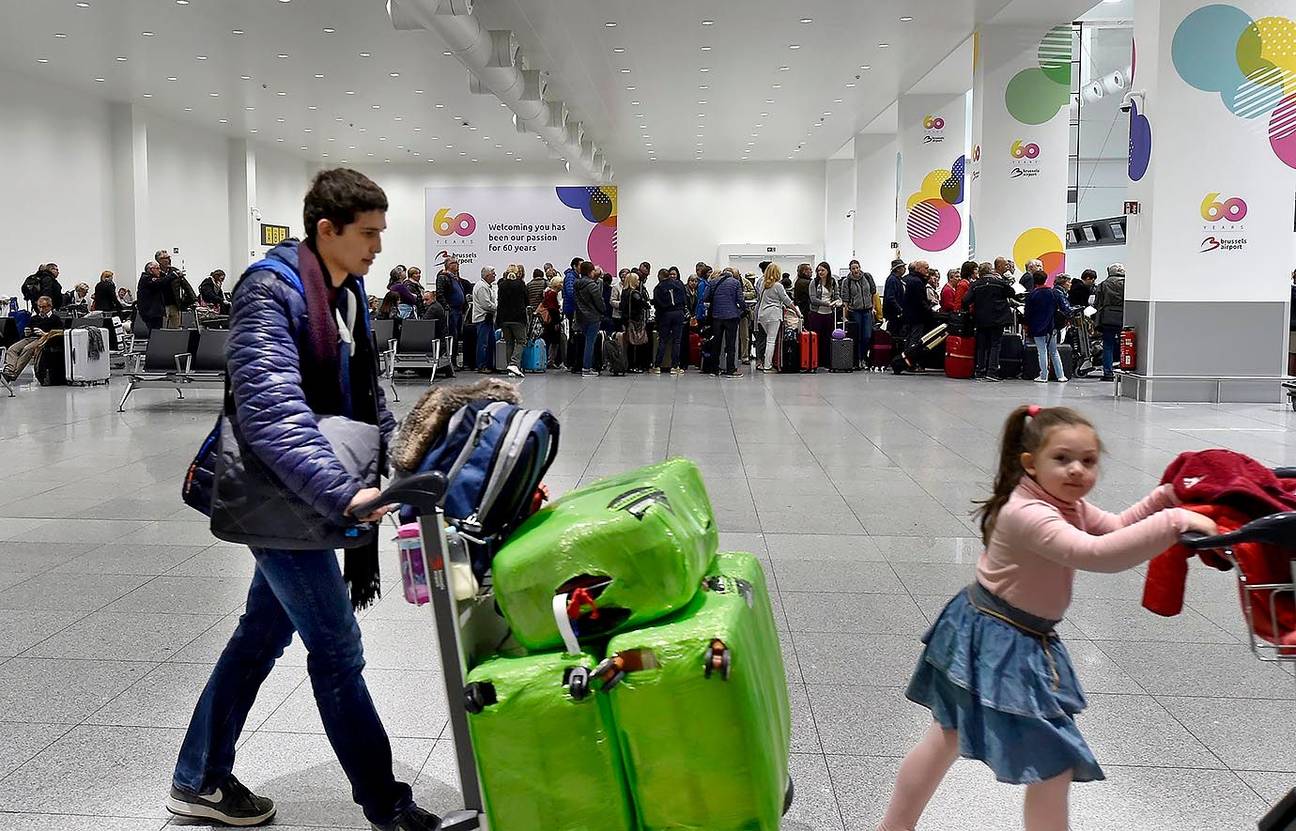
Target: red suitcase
(880, 349)
(960, 356)
(809, 350)
(694, 348)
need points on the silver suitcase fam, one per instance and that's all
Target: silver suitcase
(80, 367)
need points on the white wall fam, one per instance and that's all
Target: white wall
(668, 214)
(281, 183)
(55, 162)
(188, 202)
(839, 200)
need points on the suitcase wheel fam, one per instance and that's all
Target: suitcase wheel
(578, 683)
(479, 696)
(611, 672)
(789, 796)
(718, 659)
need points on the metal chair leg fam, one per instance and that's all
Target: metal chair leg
(130, 388)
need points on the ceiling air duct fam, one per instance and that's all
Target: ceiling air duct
(495, 66)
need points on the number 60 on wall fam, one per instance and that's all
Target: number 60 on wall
(1229, 210)
(462, 224)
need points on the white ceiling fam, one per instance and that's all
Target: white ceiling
(392, 113)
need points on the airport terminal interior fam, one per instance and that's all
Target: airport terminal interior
(859, 200)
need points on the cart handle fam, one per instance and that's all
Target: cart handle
(1275, 529)
(422, 491)
(1285, 472)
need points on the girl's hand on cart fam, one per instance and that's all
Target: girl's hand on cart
(1201, 524)
(368, 495)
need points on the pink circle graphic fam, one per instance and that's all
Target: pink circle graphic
(934, 225)
(603, 247)
(1282, 131)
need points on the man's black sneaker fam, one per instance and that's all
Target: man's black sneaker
(412, 818)
(231, 804)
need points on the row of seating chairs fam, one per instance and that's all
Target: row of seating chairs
(179, 358)
(420, 345)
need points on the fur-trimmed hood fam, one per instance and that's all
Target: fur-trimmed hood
(426, 423)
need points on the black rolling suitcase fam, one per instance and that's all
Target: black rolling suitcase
(789, 350)
(1011, 352)
(712, 343)
(1030, 361)
(917, 354)
(841, 351)
(576, 352)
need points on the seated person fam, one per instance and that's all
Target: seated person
(34, 337)
(433, 310)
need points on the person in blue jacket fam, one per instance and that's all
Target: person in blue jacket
(670, 299)
(1042, 306)
(727, 307)
(570, 276)
(300, 347)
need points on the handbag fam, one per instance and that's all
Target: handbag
(248, 504)
(637, 332)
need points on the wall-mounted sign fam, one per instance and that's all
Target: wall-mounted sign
(1132, 208)
(273, 234)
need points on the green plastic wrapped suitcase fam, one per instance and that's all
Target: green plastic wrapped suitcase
(547, 755)
(700, 704)
(606, 558)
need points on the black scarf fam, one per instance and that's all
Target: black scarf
(324, 385)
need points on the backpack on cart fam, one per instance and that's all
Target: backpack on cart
(494, 455)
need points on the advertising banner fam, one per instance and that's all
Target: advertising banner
(490, 226)
(931, 221)
(1020, 145)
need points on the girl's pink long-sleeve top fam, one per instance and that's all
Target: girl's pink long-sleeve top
(1039, 543)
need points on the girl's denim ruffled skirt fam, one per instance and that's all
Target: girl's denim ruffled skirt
(1012, 696)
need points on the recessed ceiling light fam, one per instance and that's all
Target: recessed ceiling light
(279, 139)
(706, 48)
(769, 100)
(794, 46)
(201, 57)
(42, 60)
(188, 109)
(393, 74)
(303, 147)
(60, 35)
(375, 106)
(784, 68)
(508, 152)
(837, 100)
(778, 86)
(285, 1)
(366, 54)
(308, 130)
(704, 69)
(620, 50)
(850, 86)
(236, 31)
(625, 71)
(463, 152)
(182, 2)
(807, 20)
(323, 155)
(368, 154)
(631, 89)
(319, 74)
(249, 109)
(281, 56)
(440, 106)
(910, 19)
(214, 94)
(611, 24)
(147, 34)
(281, 93)
(328, 30)
(447, 53)
(883, 45)
(708, 22)
(253, 131)
(83, 5)
(418, 129)
(246, 77)
(312, 107)
(350, 92)
(350, 146)
(223, 120)
(702, 102)
(703, 86)
(280, 120)
(148, 95)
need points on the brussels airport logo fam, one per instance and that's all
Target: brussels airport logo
(935, 127)
(446, 224)
(1222, 219)
(976, 162)
(1025, 157)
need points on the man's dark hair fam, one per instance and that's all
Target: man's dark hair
(576, 262)
(764, 265)
(586, 268)
(340, 195)
(1090, 274)
(1040, 278)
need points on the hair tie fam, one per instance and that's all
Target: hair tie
(1032, 411)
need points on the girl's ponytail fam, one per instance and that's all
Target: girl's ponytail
(1024, 432)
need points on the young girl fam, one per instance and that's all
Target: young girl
(996, 677)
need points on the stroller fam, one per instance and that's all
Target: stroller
(1262, 605)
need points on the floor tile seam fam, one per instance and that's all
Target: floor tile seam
(1189, 731)
(87, 660)
(47, 746)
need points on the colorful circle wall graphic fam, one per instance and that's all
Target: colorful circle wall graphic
(934, 224)
(599, 206)
(1250, 63)
(1140, 144)
(602, 245)
(951, 190)
(1044, 245)
(1036, 95)
(1282, 131)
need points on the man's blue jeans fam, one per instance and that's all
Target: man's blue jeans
(670, 330)
(591, 339)
(1111, 348)
(302, 592)
(486, 344)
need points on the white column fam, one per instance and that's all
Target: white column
(129, 138)
(839, 200)
(931, 223)
(244, 236)
(1020, 137)
(876, 162)
(1213, 168)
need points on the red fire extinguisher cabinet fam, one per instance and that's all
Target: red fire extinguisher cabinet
(1128, 349)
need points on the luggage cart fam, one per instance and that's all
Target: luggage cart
(465, 629)
(1278, 530)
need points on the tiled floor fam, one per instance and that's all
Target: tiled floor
(115, 601)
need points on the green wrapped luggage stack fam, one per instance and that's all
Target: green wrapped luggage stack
(545, 749)
(622, 552)
(700, 706)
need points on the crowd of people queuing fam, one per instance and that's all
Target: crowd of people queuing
(736, 314)
(659, 330)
